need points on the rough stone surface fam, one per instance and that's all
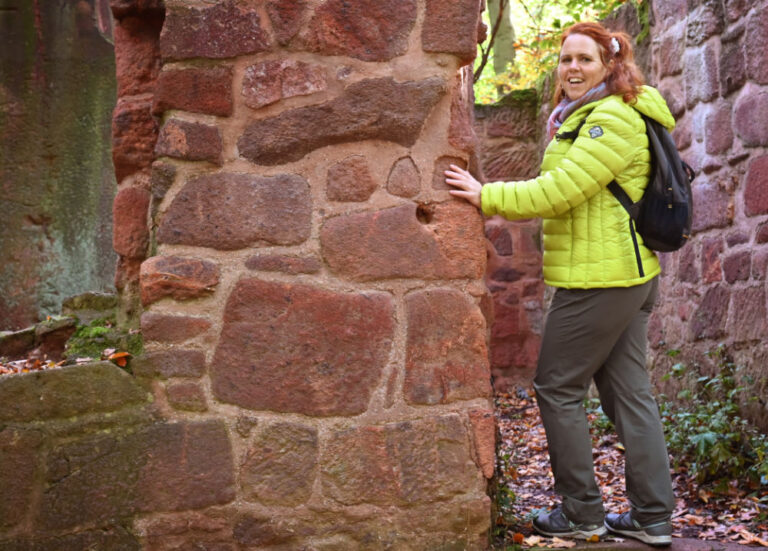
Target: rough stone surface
(229, 211)
(733, 73)
(718, 134)
(736, 266)
(483, 423)
(296, 348)
(761, 233)
(208, 530)
(285, 264)
(371, 30)
(137, 60)
(441, 165)
(224, 30)
(206, 90)
(134, 133)
(169, 363)
(687, 265)
(700, 75)
(281, 465)
(461, 134)
(506, 157)
(704, 22)
(186, 396)
(670, 10)
(286, 17)
(19, 453)
(756, 45)
(270, 81)
(751, 109)
(63, 393)
(708, 321)
(399, 463)
(372, 109)
(446, 356)
(177, 277)
(756, 191)
(350, 180)
(129, 212)
(404, 179)
(714, 207)
(711, 266)
(441, 240)
(747, 320)
(107, 537)
(165, 466)
(450, 26)
(669, 55)
(190, 141)
(170, 328)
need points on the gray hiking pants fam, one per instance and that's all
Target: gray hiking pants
(601, 334)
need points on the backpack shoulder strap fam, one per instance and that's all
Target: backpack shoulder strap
(623, 198)
(571, 134)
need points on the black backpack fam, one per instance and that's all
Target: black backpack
(664, 214)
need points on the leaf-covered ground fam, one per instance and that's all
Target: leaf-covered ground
(525, 486)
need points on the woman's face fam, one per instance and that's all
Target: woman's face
(581, 67)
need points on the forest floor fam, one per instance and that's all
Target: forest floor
(525, 487)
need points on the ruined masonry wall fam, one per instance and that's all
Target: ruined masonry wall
(709, 61)
(312, 297)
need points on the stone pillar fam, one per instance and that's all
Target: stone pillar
(304, 245)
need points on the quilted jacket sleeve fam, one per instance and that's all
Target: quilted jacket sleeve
(575, 171)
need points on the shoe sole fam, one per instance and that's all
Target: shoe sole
(578, 534)
(656, 541)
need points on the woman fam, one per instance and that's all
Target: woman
(596, 328)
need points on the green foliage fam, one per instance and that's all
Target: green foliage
(539, 25)
(90, 341)
(706, 434)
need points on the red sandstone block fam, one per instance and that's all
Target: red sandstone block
(404, 179)
(700, 75)
(733, 71)
(229, 211)
(756, 46)
(748, 320)
(432, 241)
(708, 322)
(760, 264)
(199, 90)
(350, 180)
(171, 329)
(134, 132)
(714, 207)
(177, 277)
(669, 55)
(302, 349)
(130, 236)
(751, 112)
(371, 30)
(127, 273)
(281, 465)
(461, 133)
(756, 190)
(19, 461)
(125, 8)
(372, 109)
(761, 233)
(410, 462)
(687, 267)
(737, 266)
(286, 16)
(450, 26)
(441, 165)
(283, 263)
(703, 23)
(137, 54)
(190, 141)
(226, 29)
(270, 81)
(483, 424)
(711, 267)
(718, 131)
(186, 397)
(446, 358)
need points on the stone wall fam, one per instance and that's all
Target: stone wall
(57, 91)
(311, 294)
(709, 60)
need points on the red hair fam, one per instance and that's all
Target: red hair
(624, 77)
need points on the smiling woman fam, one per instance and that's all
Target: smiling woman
(607, 282)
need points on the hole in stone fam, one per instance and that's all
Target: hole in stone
(425, 212)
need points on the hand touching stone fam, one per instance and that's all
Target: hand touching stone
(469, 188)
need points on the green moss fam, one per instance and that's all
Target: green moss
(90, 341)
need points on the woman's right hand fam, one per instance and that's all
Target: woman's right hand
(469, 188)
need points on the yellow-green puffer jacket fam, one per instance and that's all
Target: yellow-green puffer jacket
(587, 239)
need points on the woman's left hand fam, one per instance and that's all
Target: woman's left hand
(469, 188)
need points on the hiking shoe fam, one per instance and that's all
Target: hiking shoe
(658, 534)
(554, 523)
